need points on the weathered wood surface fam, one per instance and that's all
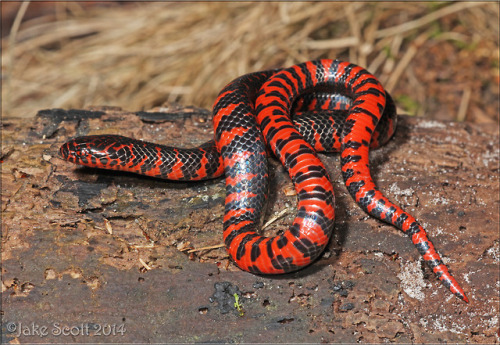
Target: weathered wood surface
(76, 243)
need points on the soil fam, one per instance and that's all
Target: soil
(96, 256)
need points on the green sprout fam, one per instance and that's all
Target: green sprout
(237, 304)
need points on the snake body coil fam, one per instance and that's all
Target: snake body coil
(336, 106)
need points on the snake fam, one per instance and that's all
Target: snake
(294, 113)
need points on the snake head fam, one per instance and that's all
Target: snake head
(95, 151)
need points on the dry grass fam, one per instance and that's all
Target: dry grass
(144, 54)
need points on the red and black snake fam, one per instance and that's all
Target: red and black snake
(254, 111)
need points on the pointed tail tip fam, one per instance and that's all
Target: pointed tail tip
(450, 282)
(462, 296)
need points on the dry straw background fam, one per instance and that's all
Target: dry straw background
(440, 60)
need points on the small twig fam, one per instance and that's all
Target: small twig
(355, 31)
(381, 57)
(275, 218)
(146, 266)
(107, 225)
(206, 248)
(422, 21)
(336, 43)
(464, 104)
(405, 60)
(10, 54)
